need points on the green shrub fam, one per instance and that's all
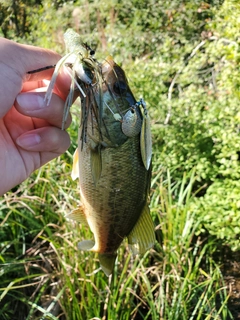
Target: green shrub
(219, 210)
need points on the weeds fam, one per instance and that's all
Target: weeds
(44, 276)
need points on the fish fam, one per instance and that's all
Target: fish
(112, 161)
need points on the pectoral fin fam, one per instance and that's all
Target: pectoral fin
(142, 237)
(146, 141)
(96, 164)
(107, 262)
(75, 169)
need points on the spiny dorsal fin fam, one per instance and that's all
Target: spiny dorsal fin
(142, 237)
(75, 168)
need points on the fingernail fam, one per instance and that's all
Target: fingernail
(31, 101)
(28, 140)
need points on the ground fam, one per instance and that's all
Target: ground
(231, 272)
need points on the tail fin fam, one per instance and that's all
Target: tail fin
(107, 261)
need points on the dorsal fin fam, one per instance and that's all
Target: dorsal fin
(142, 237)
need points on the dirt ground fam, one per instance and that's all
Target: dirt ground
(231, 273)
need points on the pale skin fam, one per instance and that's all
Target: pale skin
(30, 131)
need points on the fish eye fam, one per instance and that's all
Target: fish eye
(119, 87)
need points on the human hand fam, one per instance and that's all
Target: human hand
(30, 131)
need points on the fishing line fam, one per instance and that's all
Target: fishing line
(41, 69)
(113, 98)
(115, 115)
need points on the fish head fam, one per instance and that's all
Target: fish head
(116, 84)
(109, 106)
(121, 115)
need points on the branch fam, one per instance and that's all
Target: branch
(170, 90)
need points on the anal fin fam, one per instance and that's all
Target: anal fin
(78, 215)
(142, 237)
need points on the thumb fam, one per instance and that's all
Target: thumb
(33, 58)
(15, 61)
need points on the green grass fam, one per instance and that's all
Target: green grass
(44, 276)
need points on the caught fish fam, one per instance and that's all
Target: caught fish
(113, 158)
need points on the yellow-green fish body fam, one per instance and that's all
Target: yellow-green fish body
(114, 183)
(113, 158)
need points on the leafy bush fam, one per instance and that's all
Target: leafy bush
(220, 211)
